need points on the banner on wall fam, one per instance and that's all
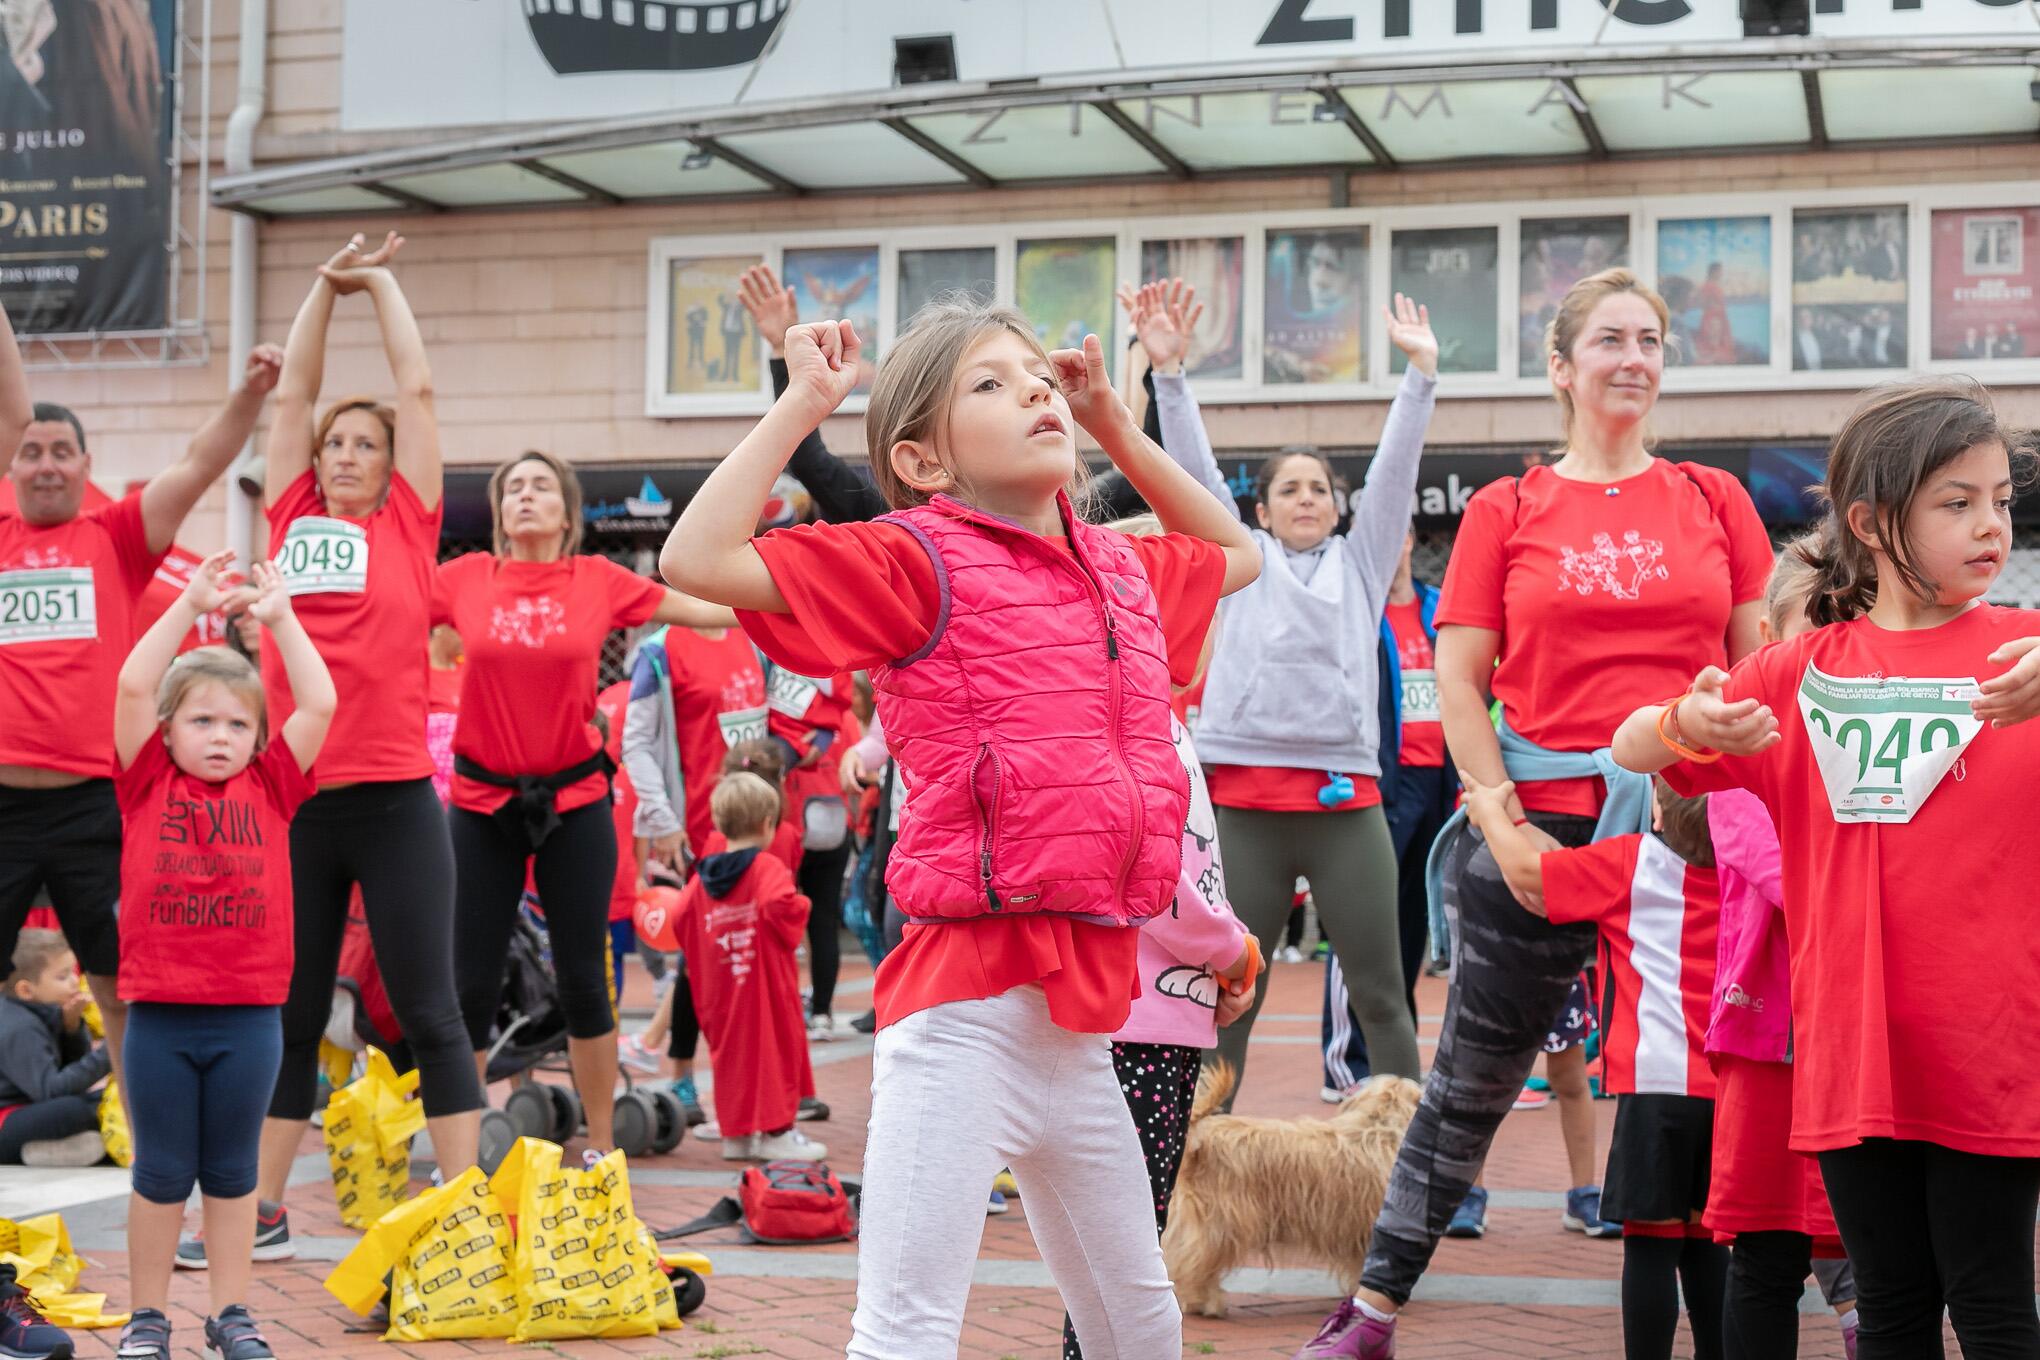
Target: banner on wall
(542, 60)
(85, 146)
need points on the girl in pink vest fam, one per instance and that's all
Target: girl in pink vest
(1021, 660)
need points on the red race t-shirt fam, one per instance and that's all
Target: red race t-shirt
(612, 703)
(1606, 596)
(1914, 966)
(533, 634)
(1659, 917)
(205, 902)
(363, 590)
(442, 689)
(1275, 788)
(1423, 736)
(862, 595)
(718, 701)
(67, 622)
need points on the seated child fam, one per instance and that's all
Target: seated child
(1657, 901)
(48, 1061)
(738, 923)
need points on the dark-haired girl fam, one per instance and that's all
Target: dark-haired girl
(1884, 747)
(1291, 729)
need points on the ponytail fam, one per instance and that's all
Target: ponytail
(1844, 576)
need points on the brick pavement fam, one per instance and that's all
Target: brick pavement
(1528, 1289)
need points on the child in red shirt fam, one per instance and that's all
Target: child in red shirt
(990, 1048)
(1657, 902)
(206, 798)
(738, 923)
(1888, 743)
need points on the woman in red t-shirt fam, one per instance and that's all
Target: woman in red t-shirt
(1571, 588)
(530, 776)
(354, 512)
(1888, 744)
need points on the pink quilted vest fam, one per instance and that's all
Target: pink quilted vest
(1032, 730)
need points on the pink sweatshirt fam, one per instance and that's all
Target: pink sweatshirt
(1182, 946)
(1752, 1012)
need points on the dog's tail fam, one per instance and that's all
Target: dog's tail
(1214, 1084)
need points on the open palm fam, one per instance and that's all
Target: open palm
(1409, 327)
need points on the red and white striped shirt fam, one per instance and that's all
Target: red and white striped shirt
(1658, 917)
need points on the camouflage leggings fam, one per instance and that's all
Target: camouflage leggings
(1511, 972)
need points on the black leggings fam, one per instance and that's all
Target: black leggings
(574, 871)
(391, 839)
(1929, 1228)
(683, 1034)
(1766, 1279)
(821, 878)
(57, 1117)
(1655, 1270)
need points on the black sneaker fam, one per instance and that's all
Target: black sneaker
(866, 1023)
(812, 1109)
(272, 1239)
(24, 1334)
(235, 1336)
(146, 1336)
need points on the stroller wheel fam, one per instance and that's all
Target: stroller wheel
(530, 1111)
(690, 1291)
(566, 1120)
(637, 1123)
(499, 1134)
(672, 1120)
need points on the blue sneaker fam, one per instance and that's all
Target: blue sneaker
(690, 1101)
(1583, 1213)
(1470, 1218)
(24, 1333)
(996, 1205)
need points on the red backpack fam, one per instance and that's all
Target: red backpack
(783, 1204)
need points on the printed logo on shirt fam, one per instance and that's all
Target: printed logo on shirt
(734, 928)
(207, 822)
(530, 621)
(48, 604)
(744, 725)
(323, 556)
(1619, 569)
(1736, 996)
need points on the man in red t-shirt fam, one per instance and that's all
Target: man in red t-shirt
(69, 582)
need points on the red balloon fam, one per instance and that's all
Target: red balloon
(655, 915)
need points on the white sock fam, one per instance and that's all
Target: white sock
(1368, 1310)
(1847, 1319)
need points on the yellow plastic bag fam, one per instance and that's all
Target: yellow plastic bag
(113, 1126)
(369, 1126)
(447, 1255)
(45, 1265)
(585, 1265)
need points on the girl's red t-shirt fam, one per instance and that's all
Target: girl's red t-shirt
(363, 590)
(1914, 966)
(205, 900)
(612, 703)
(1607, 596)
(863, 595)
(718, 701)
(533, 634)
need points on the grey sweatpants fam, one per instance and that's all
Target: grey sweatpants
(1350, 862)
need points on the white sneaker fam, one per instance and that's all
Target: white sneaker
(793, 1145)
(632, 1053)
(80, 1149)
(743, 1149)
(821, 1029)
(1289, 953)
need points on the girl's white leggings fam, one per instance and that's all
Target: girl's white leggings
(959, 1091)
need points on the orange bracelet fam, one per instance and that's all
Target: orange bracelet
(1668, 717)
(1253, 974)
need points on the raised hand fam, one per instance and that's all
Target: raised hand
(770, 305)
(2014, 696)
(821, 364)
(206, 591)
(1706, 718)
(350, 271)
(1087, 387)
(1165, 316)
(271, 603)
(265, 366)
(1409, 326)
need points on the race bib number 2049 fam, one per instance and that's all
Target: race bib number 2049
(322, 556)
(1884, 745)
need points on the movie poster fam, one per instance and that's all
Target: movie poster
(926, 275)
(1715, 275)
(1555, 254)
(838, 283)
(1216, 268)
(1848, 288)
(1314, 306)
(1064, 289)
(1455, 272)
(85, 136)
(1986, 302)
(714, 349)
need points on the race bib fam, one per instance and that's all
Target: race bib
(48, 604)
(746, 724)
(1883, 745)
(1420, 696)
(321, 556)
(790, 694)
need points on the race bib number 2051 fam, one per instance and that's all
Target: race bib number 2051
(1884, 745)
(49, 604)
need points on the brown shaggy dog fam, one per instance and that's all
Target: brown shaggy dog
(1280, 1191)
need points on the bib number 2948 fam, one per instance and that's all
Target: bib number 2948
(48, 605)
(321, 556)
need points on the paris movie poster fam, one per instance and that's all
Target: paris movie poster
(85, 129)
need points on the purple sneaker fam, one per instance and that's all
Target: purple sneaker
(1350, 1334)
(1849, 1341)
